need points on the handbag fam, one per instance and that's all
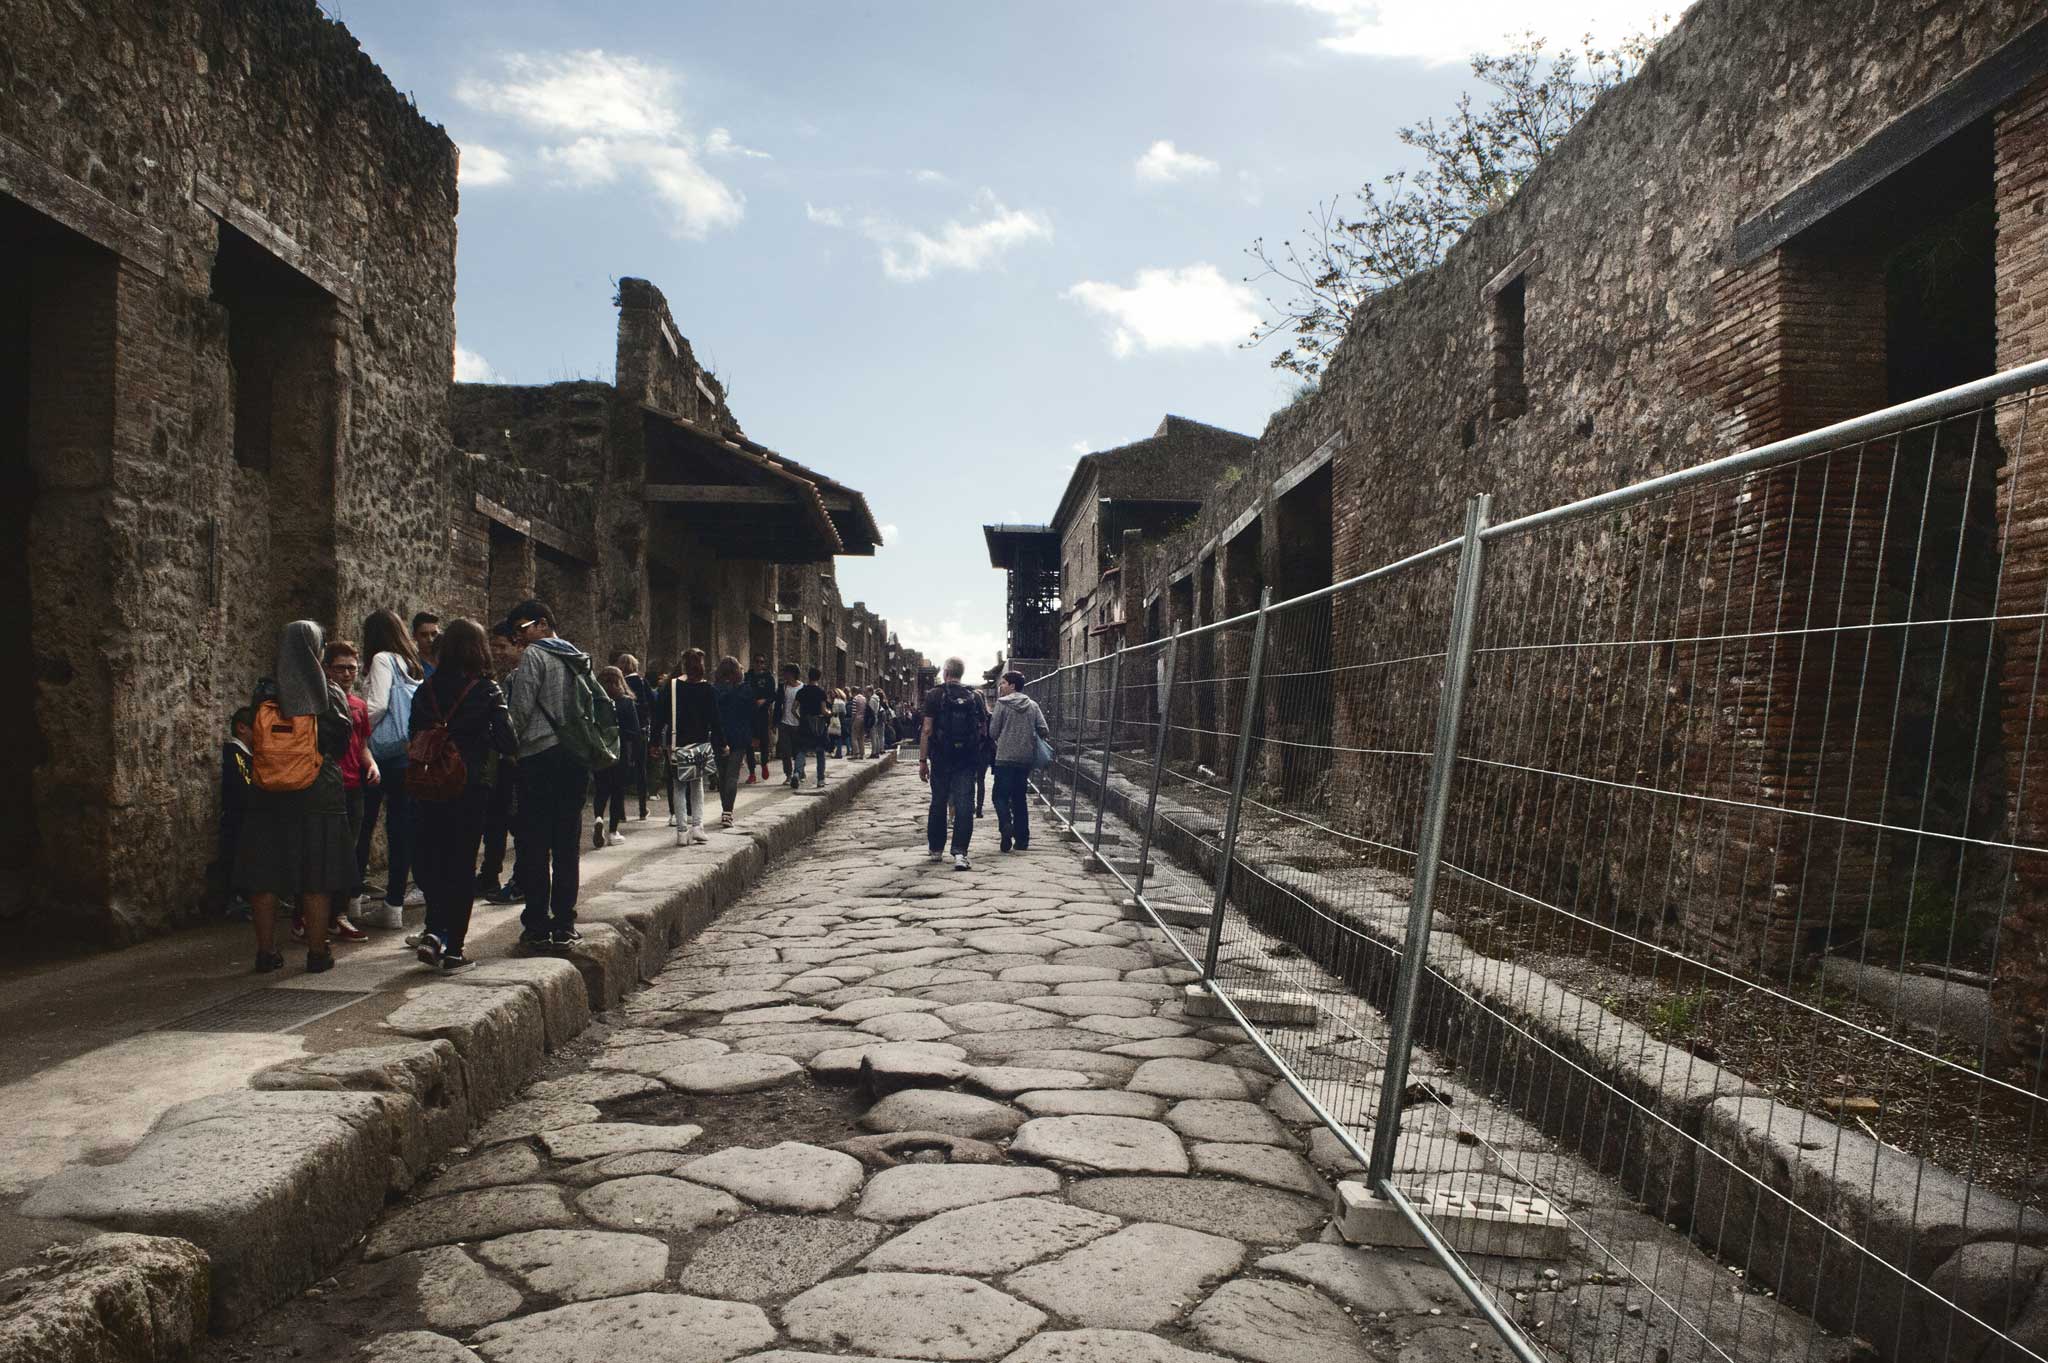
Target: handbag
(1041, 754)
(389, 740)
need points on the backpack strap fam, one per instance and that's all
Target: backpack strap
(441, 717)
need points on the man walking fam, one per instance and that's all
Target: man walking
(949, 757)
(554, 781)
(760, 684)
(501, 815)
(856, 723)
(788, 729)
(814, 713)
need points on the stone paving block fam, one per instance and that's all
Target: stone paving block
(733, 1074)
(555, 984)
(455, 1292)
(960, 1114)
(118, 1298)
(1058, 974)
(1103, 1102)
(498, 1031)
(505, 1164)
(665, 1055)
(579, 1265)
(1089, 1005)
(1270, 1322)
(1106, 1346)
(1005, 1080)
(915, 1315)
(1371, 1281)
(765, 1258)
(1099, 1144)
(1263, 1164)
(1139, 1278)
(991, 1047)
(979, 991)
(993, 1017)
(428, 1072)
(914, 1191)
(621, 1166)
(1259, 1216)
(864, 1009)
(999, 1237)
(657, 1204)
(789, 1176)
(891, 1065)
(1132, 1028)
(595, 1088)
(801, 1045)
(887, 1150)
(650, 1327)
(1194, 1079)
(907, 1027)
(415, 1346)
(530, 1117)
(597, 1139)
(1224, 1119)
(476, 1215)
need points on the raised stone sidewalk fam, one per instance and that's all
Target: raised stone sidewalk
(883, 1110)
(273, 1173)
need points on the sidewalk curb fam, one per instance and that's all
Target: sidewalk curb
(275, 1182)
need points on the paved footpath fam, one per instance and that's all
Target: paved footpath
(885, 1110)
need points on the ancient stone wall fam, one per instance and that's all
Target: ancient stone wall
(217, 172)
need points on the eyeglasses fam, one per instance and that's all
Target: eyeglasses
(343, 667)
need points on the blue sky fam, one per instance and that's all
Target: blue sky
(934, 249)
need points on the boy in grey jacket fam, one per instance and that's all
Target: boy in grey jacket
(552, 781)
(1015, 727)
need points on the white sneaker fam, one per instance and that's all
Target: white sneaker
(381, 915)
(597, 832)
(937, 857)
(617, 834)
(960, 863)
(415, 898)
(697, 833)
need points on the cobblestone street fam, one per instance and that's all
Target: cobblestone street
(886, 1110)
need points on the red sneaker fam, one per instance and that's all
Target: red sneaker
(750, 778)
(347, 931)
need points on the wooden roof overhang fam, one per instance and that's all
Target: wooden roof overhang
(736, 502)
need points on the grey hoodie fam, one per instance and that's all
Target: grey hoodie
(540, 684)
(1015, 728)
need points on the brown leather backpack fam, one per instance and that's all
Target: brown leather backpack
(434, 769)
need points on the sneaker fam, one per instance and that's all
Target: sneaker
(564, 939)
(534, 941)
(431, 949)
(319, 962)
(938, 857)
(415, 898)
(267, 961)
(452, 961)
(750, 778)
(725, 819)
(511, 894)
(486, 889)
(597, 832)
(345, 930)
(383, 915)
(412, 939)
(960, 862)
(1005, 845)
(298, 929)
(617, 834)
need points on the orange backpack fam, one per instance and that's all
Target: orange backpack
(286, 750)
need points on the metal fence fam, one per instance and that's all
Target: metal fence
(1623, 883)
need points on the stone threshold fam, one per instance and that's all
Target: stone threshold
(272, 1184)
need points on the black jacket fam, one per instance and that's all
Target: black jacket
(480, 724)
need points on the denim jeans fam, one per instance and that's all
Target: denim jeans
(401, 822)
(1013, 804)
(955, 788)
(551, 834)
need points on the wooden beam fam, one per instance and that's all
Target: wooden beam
(724, 494)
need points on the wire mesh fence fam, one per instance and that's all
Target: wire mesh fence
(1623, 888)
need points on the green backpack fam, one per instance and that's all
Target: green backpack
(590, 729)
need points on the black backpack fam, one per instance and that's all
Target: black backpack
(957, 727)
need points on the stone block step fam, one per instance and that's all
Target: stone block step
(1124, 866)
(1284, 1007)
(1515, 1225)
(1174, 915)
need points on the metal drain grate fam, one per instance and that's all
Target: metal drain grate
(267, 1010)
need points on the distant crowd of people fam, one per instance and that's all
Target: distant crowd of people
(471, 741)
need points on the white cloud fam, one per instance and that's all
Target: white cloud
(610, 115)
(482, 167)
(888, 534)
(1163, 164)
(718, 142)
(1192, 308)
(1081, 447)
(909, 253)
(930, 177)
(1435, 33)
(471, 367)
(952, 638)
(590, 92)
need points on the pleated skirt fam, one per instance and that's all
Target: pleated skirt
(298, 842)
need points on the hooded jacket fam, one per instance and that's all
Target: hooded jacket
(1016, 726)
(540, 686)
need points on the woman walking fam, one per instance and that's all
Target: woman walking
(697, 737)
(1015, 729)
(394, 674)
(608, 786)
(295, 827)
(461, 698)
(735, 700)
(835, 729)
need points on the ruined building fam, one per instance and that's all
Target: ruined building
(227, 281)
(657, 525)
(1794, 214)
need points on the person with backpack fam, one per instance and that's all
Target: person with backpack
(566, 727)
(394, 673)
(1016, 729)
(501, 817)
(461, 740)
(609, 783)
(358, 773)
(634, 755)
(949, 756)
(735, 701)
(814, 715)
(294, 841)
